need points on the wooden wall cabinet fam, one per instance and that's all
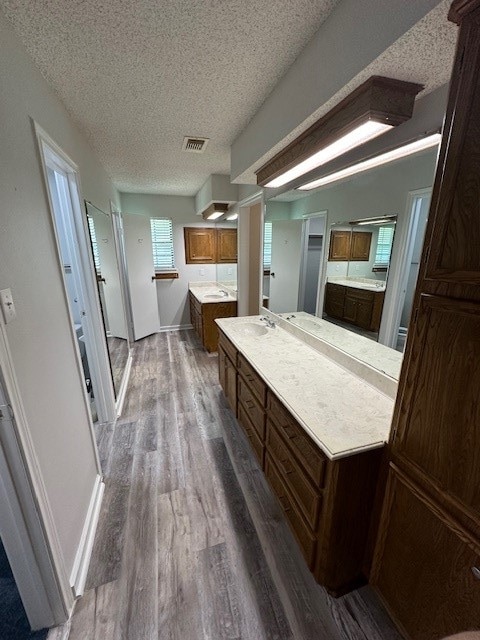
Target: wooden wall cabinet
(210, 245)
(203, 316)
(427, 559)
(359, 307)
(348, 246)
(326, 503)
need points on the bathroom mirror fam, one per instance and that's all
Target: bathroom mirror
(226, 268)
(109, 289)
(297, 245)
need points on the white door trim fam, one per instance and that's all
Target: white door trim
(397, 279)
(303, 267)
(95, 341)
(40, 571)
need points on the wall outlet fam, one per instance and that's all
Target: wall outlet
(230, 271)
(8, 308)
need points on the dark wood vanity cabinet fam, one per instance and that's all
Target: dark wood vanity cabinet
(359, 307)
(202, 317)
(427, 559)
(346, 246)
(327, 503)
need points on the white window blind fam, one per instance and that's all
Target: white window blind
(267, 245)
(162, 242)
(384, 246)
(93, 238)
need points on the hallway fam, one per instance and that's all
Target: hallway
(191, 543)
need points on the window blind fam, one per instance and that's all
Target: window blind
(267, 245)
(384, 246)
(162, 243)
(93, 238)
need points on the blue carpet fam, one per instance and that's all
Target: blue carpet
(13, 620)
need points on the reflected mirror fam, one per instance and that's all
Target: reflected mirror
(226, 266)
(344, 259)
(105, 257)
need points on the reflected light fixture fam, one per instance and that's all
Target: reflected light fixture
(234, 216)
(395, 154)
(377, 106)
(215, 210)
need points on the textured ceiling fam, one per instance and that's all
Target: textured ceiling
(138, 76)
(424, 54)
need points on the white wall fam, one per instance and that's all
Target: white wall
(40, 338)
(173, 306)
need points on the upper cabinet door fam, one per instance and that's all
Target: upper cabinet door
(339, 246)
(200, 245)
(226, 246)
(143, 290)
(360, 247)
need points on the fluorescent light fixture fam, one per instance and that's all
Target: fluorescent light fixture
(365, 132)
(234, 216)
(377, 221)
(215, 215)
(395, 154)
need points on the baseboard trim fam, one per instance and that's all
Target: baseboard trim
(84, 552)
(123, 387)
(176, 327)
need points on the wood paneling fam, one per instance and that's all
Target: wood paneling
(426, 566)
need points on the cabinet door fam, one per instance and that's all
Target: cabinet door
(350, 310)
(334, 300)
(339, 250)
(200, 245)
(364, 310)
(231, 385)
(226, 246)
(360, 247)
(424, 565)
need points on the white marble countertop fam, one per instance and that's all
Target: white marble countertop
(376, 355)
(206, 292)
(342, 413)
(360, 283)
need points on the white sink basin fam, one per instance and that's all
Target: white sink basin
(216, 296)
(252, 329)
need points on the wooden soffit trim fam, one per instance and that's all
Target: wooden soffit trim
(381, 99)
(215, 206)
(461, 8)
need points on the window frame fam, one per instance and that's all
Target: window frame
(162, 272)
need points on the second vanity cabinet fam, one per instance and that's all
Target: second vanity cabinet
(327, 503)
(357, 306)
(203, 316)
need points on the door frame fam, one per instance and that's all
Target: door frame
(27, 520)
(397, 278)
(303, 264)
(95, 342)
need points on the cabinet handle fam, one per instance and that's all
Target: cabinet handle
(476, 572)
(250, 404)
(289, 432)
(284, 507)
(285, 466)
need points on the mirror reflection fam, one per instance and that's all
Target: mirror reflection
(357, 270)
(226, 266)
(348, 255)
(109, 290)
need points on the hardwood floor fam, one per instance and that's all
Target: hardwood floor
(191, 543)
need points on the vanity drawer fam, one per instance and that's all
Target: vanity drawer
(305, 537)
(309, 499)
(251, 433)
(336, 292)
(360, 294)
(256, 384)
(252, 408)
(227, 346)
(306, 451)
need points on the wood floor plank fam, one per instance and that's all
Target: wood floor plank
(95, 614)
(171, 475)
(137, 584)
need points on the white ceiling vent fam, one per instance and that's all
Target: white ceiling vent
(194, 145)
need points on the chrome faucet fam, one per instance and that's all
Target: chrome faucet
(268, 322)
(225, 293)
(290, 317)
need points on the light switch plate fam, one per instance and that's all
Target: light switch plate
(8, 308)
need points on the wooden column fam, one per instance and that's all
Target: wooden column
(427, 558)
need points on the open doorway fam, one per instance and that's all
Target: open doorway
(71, 233)
(312, 261)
